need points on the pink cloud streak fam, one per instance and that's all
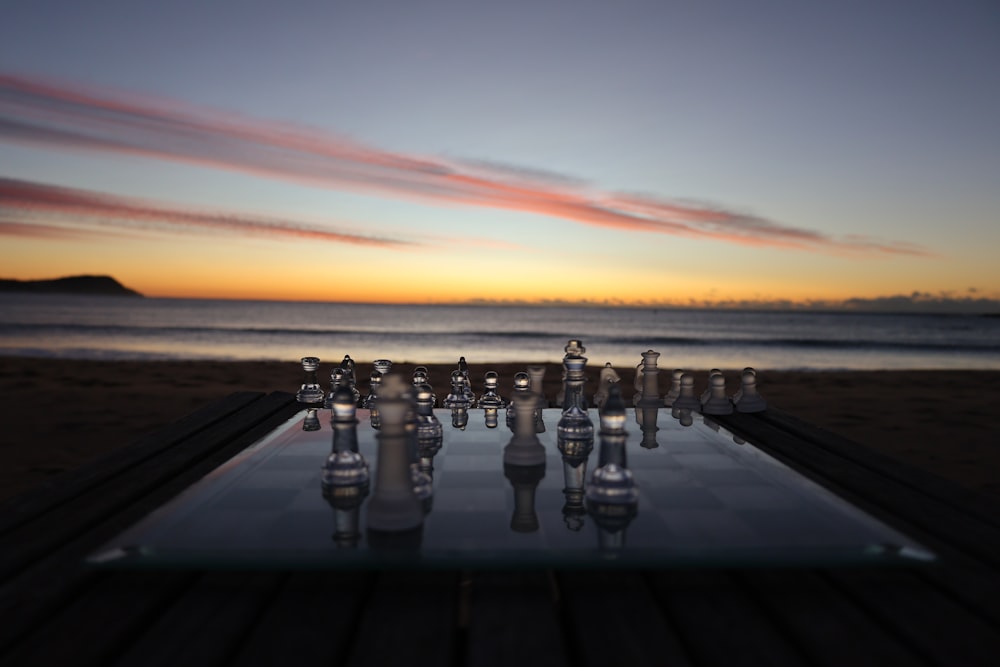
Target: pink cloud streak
(88, 119)
(23, 198)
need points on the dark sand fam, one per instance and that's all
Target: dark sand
(58, 415)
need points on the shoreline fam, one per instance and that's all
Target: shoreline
(61, 414)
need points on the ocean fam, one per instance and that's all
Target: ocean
(81, 327)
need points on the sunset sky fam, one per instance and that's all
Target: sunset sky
(635, 152)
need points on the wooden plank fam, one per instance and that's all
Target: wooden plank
(49, 580)
(981, 506)
(718, 622)
(411, 618)
(311, 621)
(933, 624)
(511, 619)
(612, 618)
(943, 528)
(121, 497)
(94, 626)
(64, 488)
(207, 625)
(817, 619)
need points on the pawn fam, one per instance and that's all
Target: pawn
(675, 388)
(428, 426)
(686, 400)
(717, 402)
(310, 391)
(739, 392)
(750, 399)
(490, 398)
(420, 376)
(708, 388)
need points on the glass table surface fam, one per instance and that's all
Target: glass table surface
(705, 498)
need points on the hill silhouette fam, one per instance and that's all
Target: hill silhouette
(99, 285)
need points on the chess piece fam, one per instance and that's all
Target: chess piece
(537, 375)
(608, 377)
(311, 421)
(394, 506)
(750, 399)
(675, 388)
(650, 394)
(350, 378)
(646, 416)
(522, 392)
(574, 424)
(612, 496)
(428, 425)
(420, 376)
(739, 392)
(524, 448)
(686, 400)
(463, 368)
(310, 391)
(457, 397)
(374, 380)
(337, 375)
(459, 417)
(491, 417)
(345, 478)
(383, 366)
(717, 402)
(706, 394)
(490, 397)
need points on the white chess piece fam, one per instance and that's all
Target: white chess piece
(717, 403)
(749, 399)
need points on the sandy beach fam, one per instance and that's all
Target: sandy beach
(58, 414)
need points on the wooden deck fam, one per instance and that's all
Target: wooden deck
(55, 611)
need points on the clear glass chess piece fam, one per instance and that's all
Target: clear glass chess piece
(463, 368)
(490, 398)
(383, 366)
(575, 423)
(337, 375)
(522, 391)
(457, 397)
(428, 425)
(612, 483)
(393, 506)
(311, 420)
(374, 380)
(310, 391)
(350, 378)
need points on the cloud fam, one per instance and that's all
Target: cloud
(20, 200)
(79, 118)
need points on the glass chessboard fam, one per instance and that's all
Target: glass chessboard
(705, 497)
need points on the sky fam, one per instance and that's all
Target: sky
(689, 153)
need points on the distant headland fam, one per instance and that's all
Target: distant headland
(90, 285)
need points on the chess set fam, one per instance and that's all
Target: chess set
(397, 479)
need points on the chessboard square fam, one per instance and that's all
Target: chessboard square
(728, 477)
(455, 462)
(669, 478)
(683, 443)
(465, 529)
(458, 479)
(281, 479)
(253, 500)
(799, 528)
(302, 530)
(471, 447)
(223, 529)
(470, 500)
(657, 459)
(679, 498)
(707, 461)
(697, 528)
(754, 497)
(294, 458)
